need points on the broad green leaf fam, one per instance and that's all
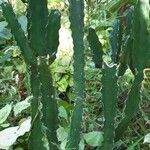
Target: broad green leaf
(5, 34)
(24, 127)
(147, 138)
(81, 144)
(9, 136)
(3, 24)
(5, 125)
(23, 21)
(63, 113)
(62, 134)
(94, 138)
(21, 68)
(63, 83)
(20, 106)
(5, 56)
(16, 51)
(4, 113)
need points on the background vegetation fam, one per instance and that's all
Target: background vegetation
(15, 88)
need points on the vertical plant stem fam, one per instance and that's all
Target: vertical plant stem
(96, 48)
(53, 26)
(49, 103)
(132, 106)
(140, 55)
(38, 16)
(141, 40)
(77, 27)
(38, 19)
(36, 135)
(109, 99)
(41, 80)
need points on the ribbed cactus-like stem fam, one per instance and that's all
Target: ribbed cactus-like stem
(141, 43)
(132, 106)
(49, 103)
(36, 128)
(116, 39)
(109, 99)
(39, 29)
(52, 35)
(35, 55)
(38, 16)
(127, 48)
(96, 48)
(77, 27)
(35, 143)
(140, 58)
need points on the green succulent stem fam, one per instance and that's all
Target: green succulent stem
(36, 143)
(109, 99)
(96, 47)
(76, 8)
(132, 106)
(34, 49)
(140, 59)
(38, 18)
(52, 35)
(49, 103)
(141, 35)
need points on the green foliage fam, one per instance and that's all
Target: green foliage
(18, 33)
(126, 56)
(4, 32)
(132, 105)
(94, 138)
(140, 60)
(40, 74)
(115, 5)
(41, 80)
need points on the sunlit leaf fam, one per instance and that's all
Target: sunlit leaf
(63, 83)
(24, 127)
(147, 138)
(9, 136)
(81, 144)
(63, 112)
(4, 113)
(62, 134)
(94, 138)
(20, 106)
(23, 21)
(5, 56)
